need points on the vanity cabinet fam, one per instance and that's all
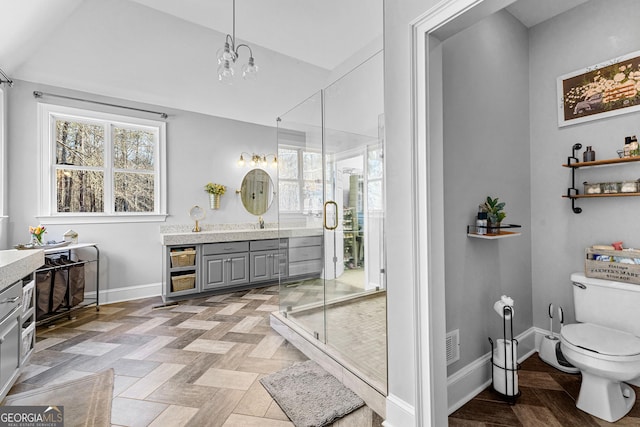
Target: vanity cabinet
(268, 260)
(203, 267)
(17, 329)
(225, 264)
(305, 256)
(181, 277)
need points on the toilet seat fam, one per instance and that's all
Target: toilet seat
(601, 342)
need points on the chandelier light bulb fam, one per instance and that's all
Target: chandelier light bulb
(225, 73)
(250, 70)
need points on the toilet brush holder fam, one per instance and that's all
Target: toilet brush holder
(551, 353)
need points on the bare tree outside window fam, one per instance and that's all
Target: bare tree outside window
(81, 172)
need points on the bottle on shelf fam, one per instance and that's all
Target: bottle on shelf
(627, 147)
(634, 149)
(481, 221)
(589, 155)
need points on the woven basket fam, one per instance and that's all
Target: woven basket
(184, 258)
(183, 282)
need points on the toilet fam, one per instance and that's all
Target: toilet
(604, 345)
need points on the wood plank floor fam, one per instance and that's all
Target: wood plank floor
(548, 399)
(198, 363)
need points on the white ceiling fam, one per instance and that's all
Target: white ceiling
(323, 33)
(162, 52)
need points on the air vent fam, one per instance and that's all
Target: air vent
(453, 346)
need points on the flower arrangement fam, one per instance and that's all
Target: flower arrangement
(212, 188)
(36, 234)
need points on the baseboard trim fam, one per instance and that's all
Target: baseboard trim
(110, 296)
(399, 413)
(466, 383)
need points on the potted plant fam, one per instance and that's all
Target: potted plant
(215, 191)
(495, 214)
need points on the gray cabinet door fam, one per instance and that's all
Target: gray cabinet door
(225, 270)
(214, 271)
(238, 269)
(279, 264)
(10, 341)
(260, 266)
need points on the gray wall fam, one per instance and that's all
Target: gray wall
(486, 153)
(587, 35)
(200, 149)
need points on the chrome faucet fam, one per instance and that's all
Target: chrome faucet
(261, 222)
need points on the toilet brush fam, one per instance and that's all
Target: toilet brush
(550, 351)
(550, 336)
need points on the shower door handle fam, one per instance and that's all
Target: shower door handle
(330, 202)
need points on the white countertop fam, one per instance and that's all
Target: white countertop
(215, 236)
(15, 264)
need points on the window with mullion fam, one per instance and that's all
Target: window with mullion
(101, 164)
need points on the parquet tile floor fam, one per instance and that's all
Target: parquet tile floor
(547, 400)
(195, 364)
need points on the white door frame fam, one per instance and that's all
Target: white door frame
(428, 196)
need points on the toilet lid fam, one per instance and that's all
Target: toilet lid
(601, 340)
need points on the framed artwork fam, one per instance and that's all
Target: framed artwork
(602, 90)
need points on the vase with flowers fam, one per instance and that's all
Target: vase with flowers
(215, 191)
(36, 234)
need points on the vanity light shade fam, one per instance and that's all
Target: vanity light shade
(241, 161)
(250, 70)
(225, 73)
(274, 164)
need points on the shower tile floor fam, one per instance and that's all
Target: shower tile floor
(355, 322)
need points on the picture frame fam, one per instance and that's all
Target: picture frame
(603, 90)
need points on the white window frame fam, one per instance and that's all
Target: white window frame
(300, 179)
(47, 116)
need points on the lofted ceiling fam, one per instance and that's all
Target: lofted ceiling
(162, 52)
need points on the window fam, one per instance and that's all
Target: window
(100, 167)
(299, 180)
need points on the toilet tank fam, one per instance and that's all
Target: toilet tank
(607, 303)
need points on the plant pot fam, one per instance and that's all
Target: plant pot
(214, 201)
(493, 228)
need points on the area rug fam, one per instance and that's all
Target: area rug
(309, 395)
(86, 401)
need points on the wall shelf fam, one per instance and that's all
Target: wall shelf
(573, 163)
(472, 231)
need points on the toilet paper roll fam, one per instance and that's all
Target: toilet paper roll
(505, 382)
(505, 355)
(499, 307)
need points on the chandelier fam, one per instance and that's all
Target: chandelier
(228, 55)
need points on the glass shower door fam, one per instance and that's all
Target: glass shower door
(355, 312)
(300, 210)
(331, 193)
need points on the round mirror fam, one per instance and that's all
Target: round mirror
(257, 191)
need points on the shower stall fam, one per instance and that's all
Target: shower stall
(331, 196)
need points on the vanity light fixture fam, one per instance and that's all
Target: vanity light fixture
(228, 55)
(261, 160)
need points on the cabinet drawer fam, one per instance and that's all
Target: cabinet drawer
(224, 248)
(305, 253)
(295, 242)
(264, 245)
(305, 267)
(10, 298)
